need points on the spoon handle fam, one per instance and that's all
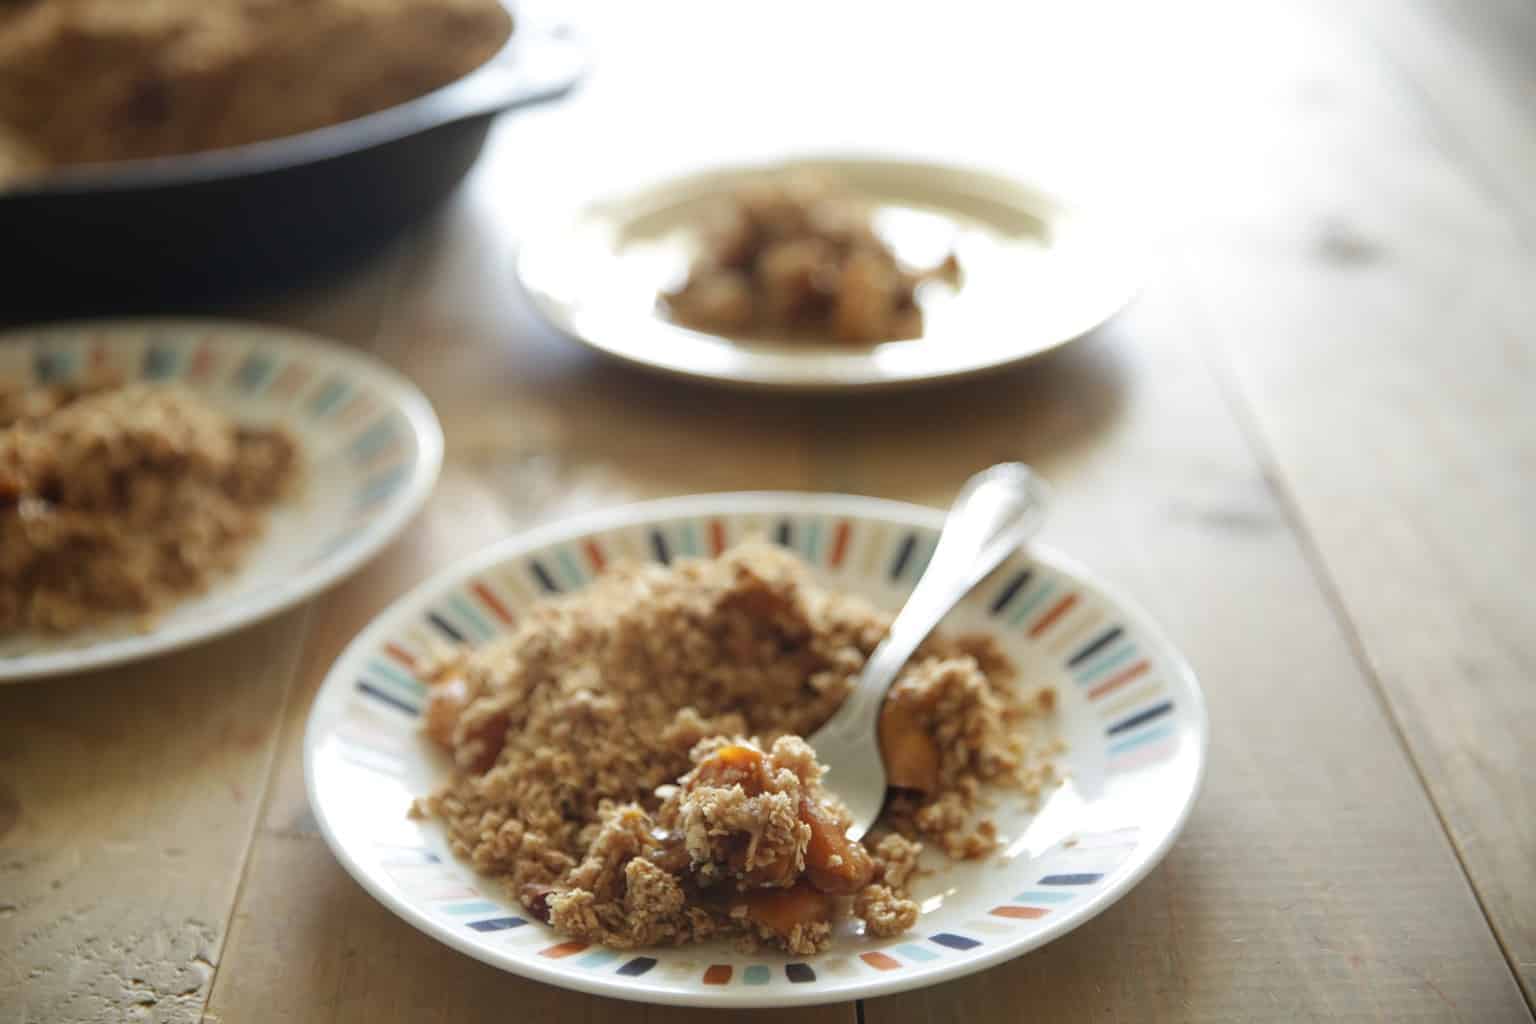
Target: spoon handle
(998, 510)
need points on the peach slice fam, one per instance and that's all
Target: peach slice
(833, 862)
(910, 754)
(781, 911)
(733, 764)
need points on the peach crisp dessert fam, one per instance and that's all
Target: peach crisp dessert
(94, 81)
(800, 255)
(629, 762)
(121, 500)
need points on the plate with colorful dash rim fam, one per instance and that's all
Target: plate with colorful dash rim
(371, 446)
(1131, 713)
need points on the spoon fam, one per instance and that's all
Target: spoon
(997, 511)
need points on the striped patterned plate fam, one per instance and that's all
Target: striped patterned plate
(372, 448)
(1131, 713)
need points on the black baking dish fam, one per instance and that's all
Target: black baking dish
(180, 232)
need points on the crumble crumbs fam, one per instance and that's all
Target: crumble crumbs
(90, 81)
(121, 500)
(628, 760)
(798, 253)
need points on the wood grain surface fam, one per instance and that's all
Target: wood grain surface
(1387, 371)
(1308, 449)
(127, 804)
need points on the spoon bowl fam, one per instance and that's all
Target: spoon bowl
(997, 510)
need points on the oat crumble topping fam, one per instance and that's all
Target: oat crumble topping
(799, 254)
(122, 500)
(629, 762)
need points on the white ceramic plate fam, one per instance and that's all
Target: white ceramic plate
(1037, 274)
(371, 446)
(1131, 712)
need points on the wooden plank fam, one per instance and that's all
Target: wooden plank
(1376, 315)
(327, 951)
(127, 801)
(1313, 882)
(1470, 70)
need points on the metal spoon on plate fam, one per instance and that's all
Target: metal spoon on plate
(997, 511)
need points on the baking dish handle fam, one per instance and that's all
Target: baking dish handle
(543, 61)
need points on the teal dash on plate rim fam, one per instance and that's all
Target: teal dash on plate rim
(254, 372)
(688, 539)
(161, 361)
(335, 389)
(812, 547)
(1095, 670)
(597, 958)
(570, 568)
(51, 365)
(1032, 599)
(915, 952)
(382, 485)
(408, 684)
(373, 440)
(466, 613)
(1141, 740)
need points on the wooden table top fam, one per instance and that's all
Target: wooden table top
(1309, 449)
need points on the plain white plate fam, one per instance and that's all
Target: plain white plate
(1131, 713)
(371, 446)
(1037, 274)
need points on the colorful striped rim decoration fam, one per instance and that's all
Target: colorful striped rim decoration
(1116, 678)
(1038, 605)
(422, 874)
